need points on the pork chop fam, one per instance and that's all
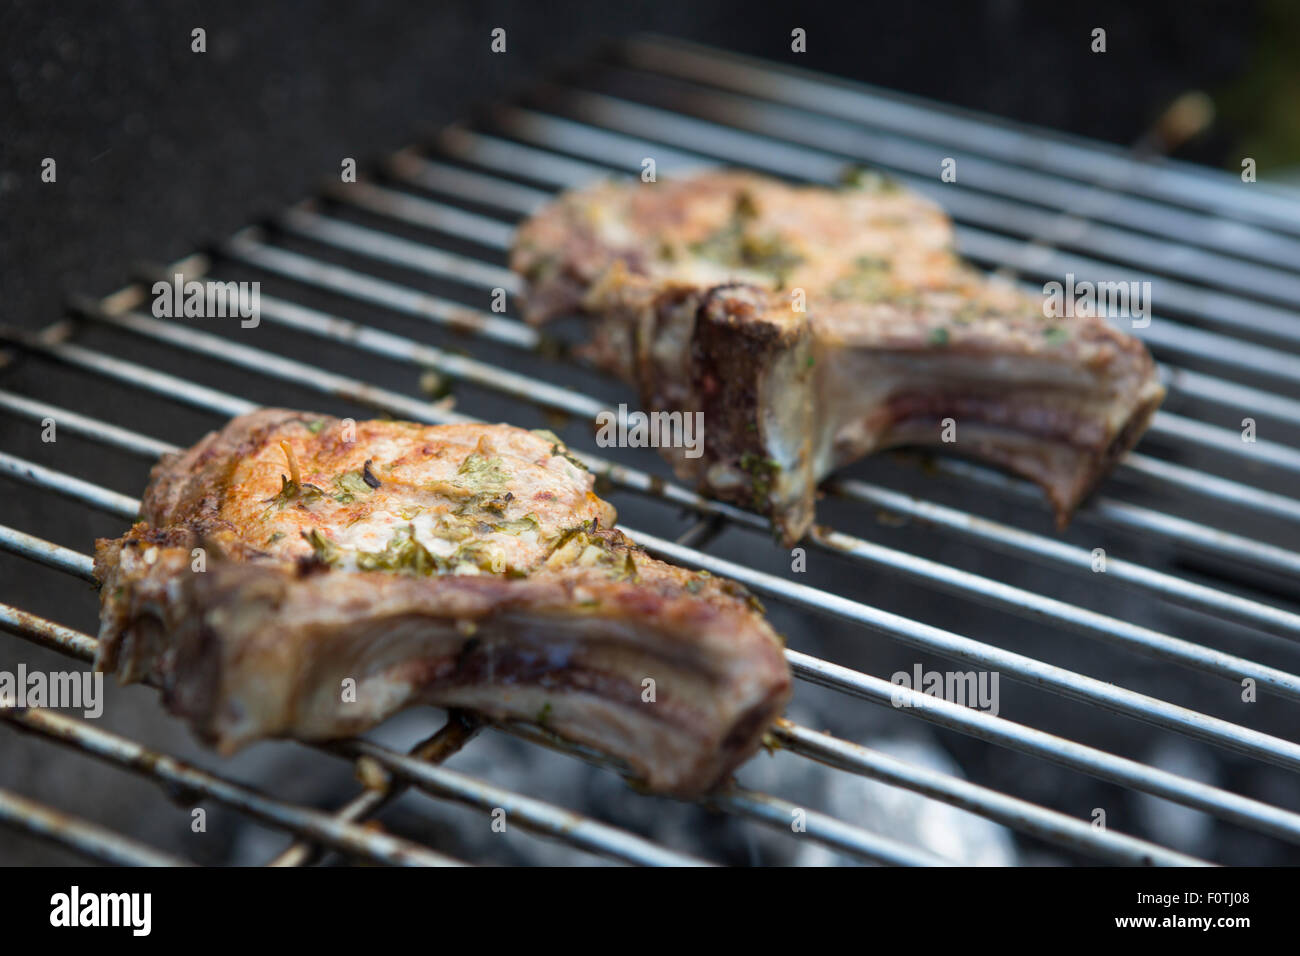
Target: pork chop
(296, 575)
(813, 326)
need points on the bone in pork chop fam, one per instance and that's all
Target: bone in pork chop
(812, 326)
(463, 566)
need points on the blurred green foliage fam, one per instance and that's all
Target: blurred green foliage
(1262, 109)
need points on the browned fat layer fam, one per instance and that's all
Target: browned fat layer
(1051, 423)
(168, 537)
(554, 297)
(1126, 437)
(1129, 434)
(731, 352)
(196, 696)
(751, 722)
(488, 664)
(665, 386)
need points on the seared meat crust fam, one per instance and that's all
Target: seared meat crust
(814, 326)
(460, 566)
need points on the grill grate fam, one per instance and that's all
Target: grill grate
(1225, 261)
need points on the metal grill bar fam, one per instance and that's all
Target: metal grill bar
(410, 165)
(94, 495)
(1018, 814)
(79, 424)
(1098, 763)
(245, 246)
(522, 387)
(823, 828)
(1125, 515)
(450, 738)
(47, 553)
(423, 212)
(581, 831)
(145, 378)
(1181, 185)
(762, 807)
(1015, 541)
(888, 150)
(1201, 304)
(289, 370)
(47, 634)
(302, 220)
(129, 755)
(88, 839)
(723, 118)
(1030, 671)
(1222, 392)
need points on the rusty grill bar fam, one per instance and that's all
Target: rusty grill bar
(1226, 262)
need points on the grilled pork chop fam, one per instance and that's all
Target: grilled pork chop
(812, 326)
(351, 569)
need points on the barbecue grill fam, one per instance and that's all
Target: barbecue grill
(371, 288)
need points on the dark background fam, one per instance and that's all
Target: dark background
(158, 146)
